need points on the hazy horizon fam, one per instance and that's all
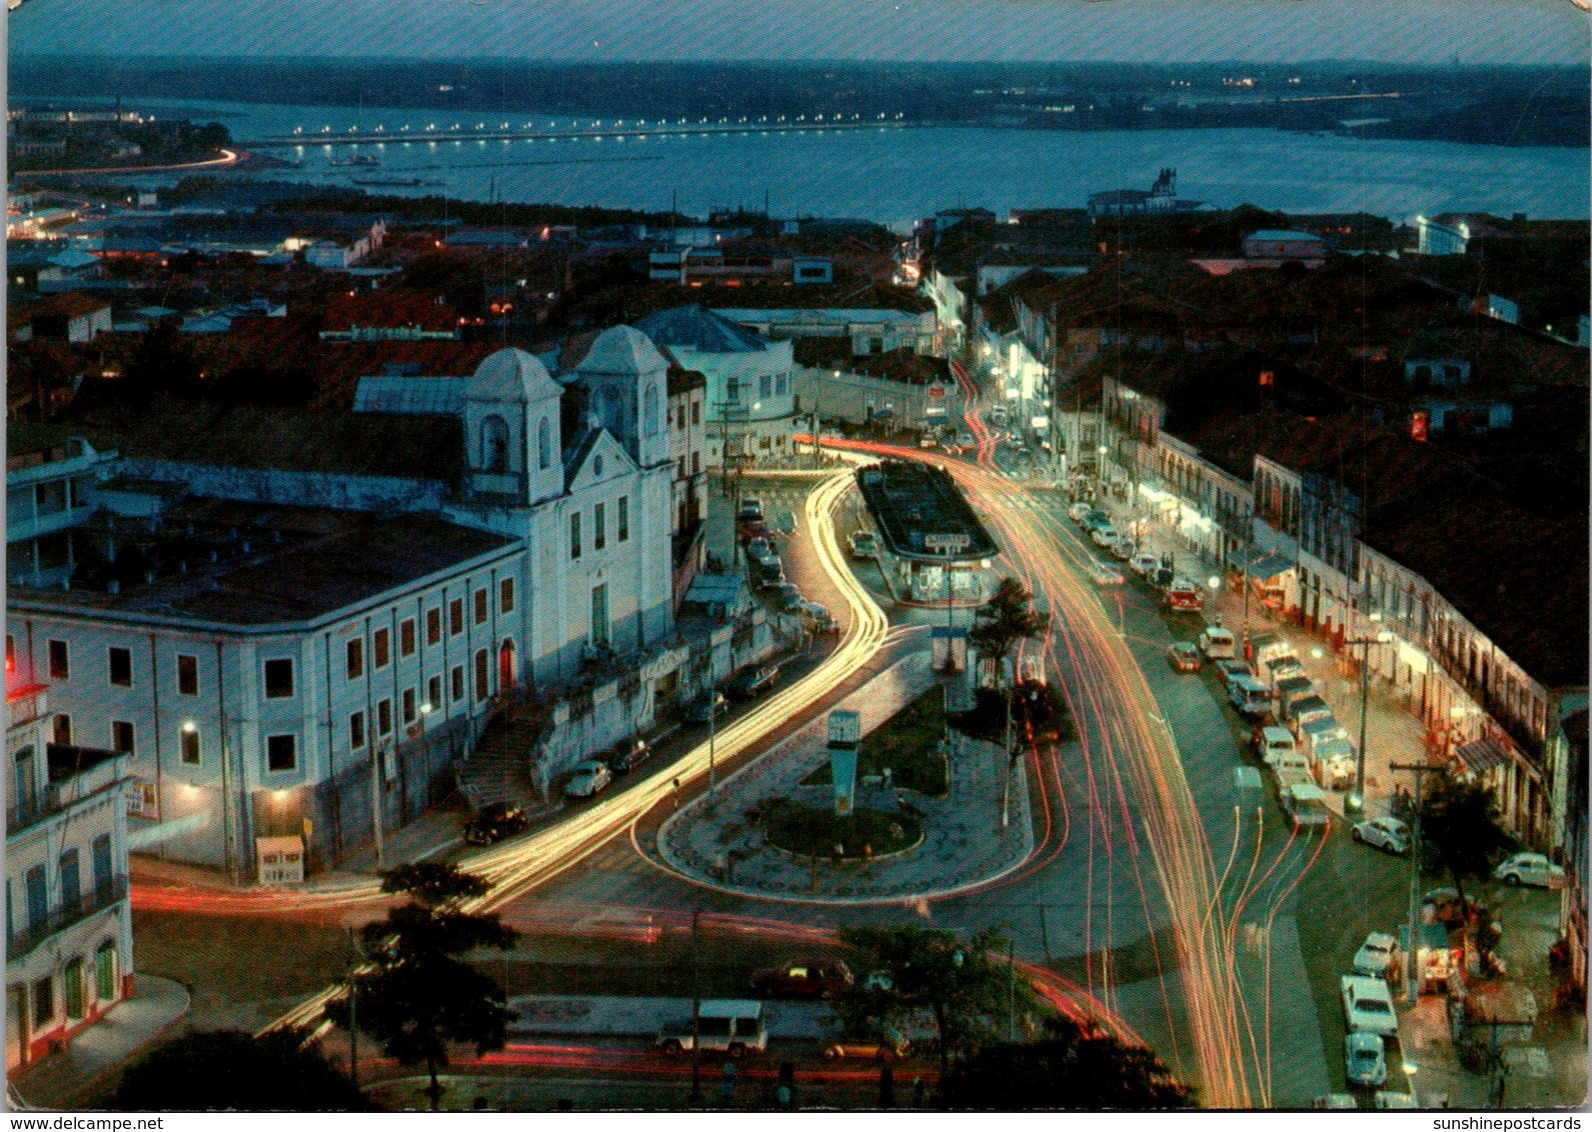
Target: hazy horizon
(1389, 32)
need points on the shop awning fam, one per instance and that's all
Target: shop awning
(1481, 755)
(1269, 567)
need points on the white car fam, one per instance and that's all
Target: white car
(1104, 574)
(1145, 564)
(1529, 868)
(863, 544)
(1364, 1059)
(1388, 834)
(1107, 538)
(1078, 512)
(1374, 955)
(1367, 1005)
(590, 777)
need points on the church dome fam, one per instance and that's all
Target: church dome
(512, 375)
(622, 350)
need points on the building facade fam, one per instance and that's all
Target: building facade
(69, 933)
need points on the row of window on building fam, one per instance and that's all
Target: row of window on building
(279, 672)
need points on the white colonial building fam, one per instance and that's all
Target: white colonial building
(69, 932)
(287, 641)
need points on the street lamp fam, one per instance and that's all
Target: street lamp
(1355, 802)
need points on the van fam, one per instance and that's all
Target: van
(1217, 643)
(1249, 695)
(1306, 807)
(733, 1026)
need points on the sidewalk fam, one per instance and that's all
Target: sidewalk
(1392, 733)
(963, 843)
(78, 1076)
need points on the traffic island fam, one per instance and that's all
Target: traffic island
(726, 838)
(862, 835)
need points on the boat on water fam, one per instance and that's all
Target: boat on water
(356, 159)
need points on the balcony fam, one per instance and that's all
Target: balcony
(77, 775)
(21, 943)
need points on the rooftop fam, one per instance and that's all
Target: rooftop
(273, 564)
(700, 329)
(248, 436)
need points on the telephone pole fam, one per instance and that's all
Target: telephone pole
(1412, 966)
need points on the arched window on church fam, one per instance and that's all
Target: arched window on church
(649, 411)
(494, 444)
(544, 445)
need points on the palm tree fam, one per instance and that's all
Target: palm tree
(1007, 618)
(1459, 819)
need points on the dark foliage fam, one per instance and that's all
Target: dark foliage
(229, 1070)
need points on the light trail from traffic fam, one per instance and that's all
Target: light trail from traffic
(1105, 679)
(516, 866)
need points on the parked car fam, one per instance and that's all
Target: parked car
(966, 439)
(864, 544)
(631, 753)
(1106, 536)
(1123, 549)
(1374, 955)
(751, 510)
(1367, 1005)
(803, 978)
(1217, 643)
(817, 618)
(747, 530)
(707, 706)
(495, 822)
(1364, 1059)
(1144, 564)
(1103, 573)
(1078, 512)
(1183, 656)
(787, 598)
(1335, 763)
(1272, 742)
(1096, 518)
(589, 778)
(1529, 868)
(754, 681)
(1335, 1102)
(1387, 834)
(1228, 669)
(760, 547)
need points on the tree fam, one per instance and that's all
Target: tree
(1070, 1066)
(229, 1070)
(1459, 819)
(1008, 617)
(923, 975)
(416, 995)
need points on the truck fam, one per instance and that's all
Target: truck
(1290, 689)
(1306, 709)
(1280, 668)
(733, 1026)
(1305, 803)
(1264, 646)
